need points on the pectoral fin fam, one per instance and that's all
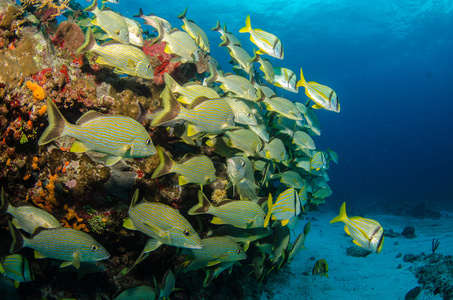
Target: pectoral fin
(357, 243)
(78, 147)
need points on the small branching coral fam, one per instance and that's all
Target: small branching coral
(434, 245)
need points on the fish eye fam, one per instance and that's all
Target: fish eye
(238, 251)
(243, 164)
(148, 141)
(94, 247)
(186, 232)
(148, 66)
(249, 115)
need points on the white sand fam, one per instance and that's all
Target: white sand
(373, 277)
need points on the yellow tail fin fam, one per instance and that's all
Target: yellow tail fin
(342, 215)
(269, 210)
(248, 26)
(302, 81)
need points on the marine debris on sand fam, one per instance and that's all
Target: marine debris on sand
(81, 109)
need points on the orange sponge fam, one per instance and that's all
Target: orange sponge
(38, 92)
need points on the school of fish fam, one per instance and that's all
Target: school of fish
(274, 170)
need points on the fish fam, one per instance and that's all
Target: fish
(167, 285)
(285, 207)
(212, 273)
(214, 250)
(152, 20)
(297, 246)
(179, 43)
(320, 268)
(240, 172)
(126, 59)
(239, 213)
(274, 150)
(206, 115)
(114, 135)
(140, 292)
(261, 130)
(238, 85)
(242, 113)
(240, 235)
(268, 43)
(66, 244)
(245, 140)
(313, 126)
(17, 268)
(225, 34)
(290, 178)
(195, 32)
(189, 91)
(366, 233)
(110, 1)
(196, 169)
(111, 22)
(323, 96)
(302, 140)
(164, 224)
(333, 156)
(286, 79)
(240, 55)
(318, 161)
(267, 68)
(135, 32)
(26, 216)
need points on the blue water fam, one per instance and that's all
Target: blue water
(390, 63)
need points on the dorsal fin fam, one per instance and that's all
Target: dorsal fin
(197, 101)
(225, 201)
(135, 198)
(88, 116)
(38, 231)
(23, 203)
(141, 116)
(188, 157)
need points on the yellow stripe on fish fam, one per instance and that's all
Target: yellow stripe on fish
(366, 233)
(189, 92)
(116, 136)
(17, 268)
(285, 207)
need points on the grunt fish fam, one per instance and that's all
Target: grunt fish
(152, 20)
(195, 32)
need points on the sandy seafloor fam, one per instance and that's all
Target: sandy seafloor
(373, 277)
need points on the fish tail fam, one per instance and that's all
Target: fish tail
(183, 15)
(171, 83)
(213, 74)
(89, 43)
(203, 205)
(171, 108)
(248, 26)
(92, 7)
(217, 28)
(269, 210)
(57, 124)
(302, 81)
(4, 204)
(165, 164)
(226, 42)
(140, 14)
(342, 215)
(18, 238)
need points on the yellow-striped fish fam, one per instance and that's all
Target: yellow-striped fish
(67, 244)
(365, 233)
(323, 96)
(274, 150)
(318, 161)
(225, 34)
(245, 140)
(135, 32)
(195, 32)
(320, 268)
(286, 79)
(285, 207)
(238, 85)
(16, 268)
(196, 169)
(239, 213)
(283, 107)
(290, 178)
(152, 20)
(242, 113)
(302, 140)
(214, 250)
(267, 69)
(116, 136)
(126, 59)
(240, 172)
(240, 55)
(189, 91)
(28, 217)
(268, 43)
(161, 222)
(208, 116)
(179, 43)
(111, 22)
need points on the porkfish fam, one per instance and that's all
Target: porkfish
(164, 224)
(66, 244)
(366, 233)
(204, 115)
(111, 22)
(196, 169)
(323, 96)
(285, 207)
(17, 268)
(239, 213)
(126, 59)
(28, 217)
(286, 79)
(268, 43)
(115, 135)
